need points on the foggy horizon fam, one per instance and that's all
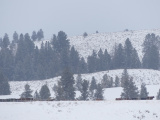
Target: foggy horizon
(76, 17)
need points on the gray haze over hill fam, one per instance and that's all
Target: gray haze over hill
(77, 16)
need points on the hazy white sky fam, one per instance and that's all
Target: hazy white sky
(77, 16)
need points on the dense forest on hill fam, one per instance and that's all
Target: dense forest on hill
(21, 60)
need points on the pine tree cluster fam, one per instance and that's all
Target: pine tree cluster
(22, 60)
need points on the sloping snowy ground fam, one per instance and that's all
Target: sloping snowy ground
(86, 45)
(150, 77)
(81, 110)
(95, 41)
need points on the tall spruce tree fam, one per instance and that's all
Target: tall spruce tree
(151, 52)
(59, 93)
(34, 36)
(74, 60)
(44, 92)
(158, 95)
(4, 85)
(27, 92)
(119, 57)
(143, 92)
(117, 82)
(36, 96)
(6, 41)
(128, 49)
(67, 82)
(125, 77)
(104, 82)
(82, 67)
(79, 82)
(40, 34)
(92, 62)
(92, 87)
(130, 91)
(99, 92)
(84, 91)
(151, 58)
(135, 60)
(15, 37)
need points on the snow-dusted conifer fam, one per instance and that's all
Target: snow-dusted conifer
(27, 92)
(84, 91)
(36, 96)
(143, 92)
(130, 90)
(117, 83)
(45, 92)
(99, 92)
(79, 82)
(158, 95)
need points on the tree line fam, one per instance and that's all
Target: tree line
(22, 60)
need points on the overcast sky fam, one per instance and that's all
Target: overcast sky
(77, 16)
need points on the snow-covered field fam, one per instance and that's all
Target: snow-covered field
(109, 109)
(81, 110)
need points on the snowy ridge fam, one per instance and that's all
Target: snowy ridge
(81, 110)
(108, 41)
(95, 41)
(149, 77)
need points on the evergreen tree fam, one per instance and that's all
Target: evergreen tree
(27, 92)
(130, 90)
(59, 93)
(151, 58)
(40, 35)
(84, 91)
(106, 60)
(92, 62)
(79, 82)
(119, 57)
(6, 41)
(34, 35)
(143, 92)
(4, 85)
(104, 82)
(100, 60)
(82, 67)
(1, 42)
(74, 60)
(93, 87)
(44, 92)
(36, 96)
(117, 82)
(158, 95)
(99, 92)
(15, 37)
(85, 34)
(135, 60)
(128, 53)
(125, 77)
(67, 82)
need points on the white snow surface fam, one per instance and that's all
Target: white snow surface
(81, 110)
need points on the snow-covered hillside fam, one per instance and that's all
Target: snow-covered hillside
(81, 110)
(95, 41)
(149, 77)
